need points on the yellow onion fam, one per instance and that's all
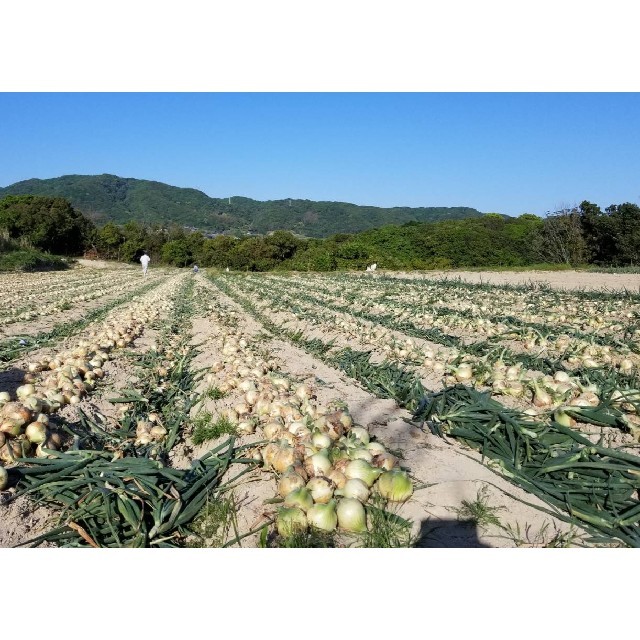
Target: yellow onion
(143, 427)
(337, 422)
(563, 418)
(10, 427)
(262, 407)
(579, 402)
(464, 372)
(36, 432)
(289, 481)
(54, 441)
(16, 448)
(395, 486)
(284, 458)
(25, 390)
(512, 373)
(242, 408)
(272, 430)
(291, 520)
(33, 403)
(323, 516)
(360, 433)
(363, 470)
(269, 453)
(384, 460)
(351, 515)
(158, 432)
(321, 440)
(5, 397)
(289, 439)
(321, 489)
(231, 416)
(318, 464)
(337, 477)
(376, 448)
(360, 453)
(300, 498)
(355, 488)
(626, 365)
(246, 427)
(304, 392)
(246, 385)
(303, 433)
(591, 398)
(41, 453)
(541, 397)
(16, 411)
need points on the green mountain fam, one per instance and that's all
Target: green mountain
(105, 198)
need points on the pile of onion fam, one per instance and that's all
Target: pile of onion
(326, 466)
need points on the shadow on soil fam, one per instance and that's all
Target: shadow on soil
(448, 534)
(11, 379)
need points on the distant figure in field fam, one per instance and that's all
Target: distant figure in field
(227, 269)
(195, 268)
(145, 260)
(372, 267)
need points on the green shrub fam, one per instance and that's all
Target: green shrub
(31, 260)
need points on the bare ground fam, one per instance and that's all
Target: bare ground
(568, 280)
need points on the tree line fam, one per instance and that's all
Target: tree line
(573, 236)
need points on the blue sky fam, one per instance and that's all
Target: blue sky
(506, 152)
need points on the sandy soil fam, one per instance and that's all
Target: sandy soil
(101, 264)
(556, 279)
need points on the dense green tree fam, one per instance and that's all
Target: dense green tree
(47, 223)
(215, 252)
(283, 243)
(177, 253)
(252, 254)
(624, 223)
(109, 239)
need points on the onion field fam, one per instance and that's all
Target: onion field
(316, 410)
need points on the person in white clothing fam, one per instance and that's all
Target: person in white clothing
(145, 260)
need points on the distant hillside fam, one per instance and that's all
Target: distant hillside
(107, 198)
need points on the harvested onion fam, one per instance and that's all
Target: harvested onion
(355, 488)
(395, 485)
(362, 470)
(323, 516)
(291, 520)
(300, 498)
(351, 515)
